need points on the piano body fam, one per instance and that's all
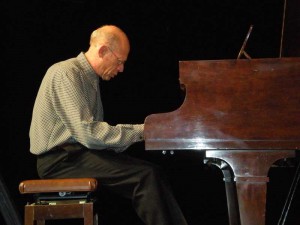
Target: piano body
(245, 115)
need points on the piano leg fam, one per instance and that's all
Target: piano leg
(250, 170)
(232, 203)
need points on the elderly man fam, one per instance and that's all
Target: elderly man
(71, 139)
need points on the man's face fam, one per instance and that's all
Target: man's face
(113, 63)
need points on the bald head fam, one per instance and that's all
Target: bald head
(108, 51)
(109, 35)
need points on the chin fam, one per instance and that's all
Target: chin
(109, 78)
(106, 77)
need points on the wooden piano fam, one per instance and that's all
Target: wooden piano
(245, 115)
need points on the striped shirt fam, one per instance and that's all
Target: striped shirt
(68, 109)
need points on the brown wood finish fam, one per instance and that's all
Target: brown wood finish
(232, 104)
(243, 112)
(41, 213)
(60, 207)
(58, 185)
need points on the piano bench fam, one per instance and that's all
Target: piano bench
(68, 198)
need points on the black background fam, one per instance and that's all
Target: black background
(36, 34)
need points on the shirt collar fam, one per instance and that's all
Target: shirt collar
(88, 70)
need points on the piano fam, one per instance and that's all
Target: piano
(245, 115)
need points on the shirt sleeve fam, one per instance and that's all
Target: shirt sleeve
(74, 100)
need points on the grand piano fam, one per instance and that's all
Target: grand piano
(245, 115)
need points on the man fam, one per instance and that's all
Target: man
(70, 138)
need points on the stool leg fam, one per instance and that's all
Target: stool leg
(29, 215)
(88, 214)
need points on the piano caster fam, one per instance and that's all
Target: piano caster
(165, 152)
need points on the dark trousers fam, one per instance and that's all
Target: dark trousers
(136, 179)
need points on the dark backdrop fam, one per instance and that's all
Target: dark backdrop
(35, 34)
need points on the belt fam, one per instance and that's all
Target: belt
(68, 147)
(72, 146)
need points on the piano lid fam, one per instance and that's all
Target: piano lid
(232, 104)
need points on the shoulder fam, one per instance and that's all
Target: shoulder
(67, 69)
(67, 66)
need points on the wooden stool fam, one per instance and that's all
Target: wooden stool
(60, 199)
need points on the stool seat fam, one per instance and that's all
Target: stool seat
(65, 198)
(58, 185)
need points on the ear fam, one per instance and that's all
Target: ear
(102, 51)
